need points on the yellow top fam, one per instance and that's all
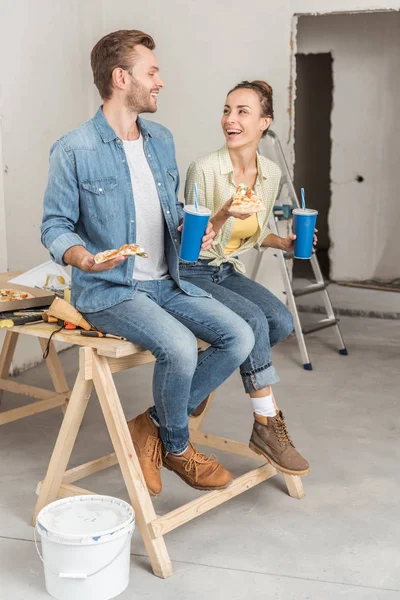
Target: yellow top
(242, 230)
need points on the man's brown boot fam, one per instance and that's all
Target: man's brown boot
(146, 440)
(198, 470)
(270, 438)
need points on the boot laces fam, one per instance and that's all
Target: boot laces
(197, 460)
(280, 429)
(156, 456)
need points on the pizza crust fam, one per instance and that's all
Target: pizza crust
(245, 201)
(125, 250)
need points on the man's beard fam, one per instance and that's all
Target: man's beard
(138, 99)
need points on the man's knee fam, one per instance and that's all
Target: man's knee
(180, 351)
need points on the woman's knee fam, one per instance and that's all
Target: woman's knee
(282, 326)
(242, 339)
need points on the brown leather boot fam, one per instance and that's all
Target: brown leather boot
(146, 440)
(198, 470)
(271, 439)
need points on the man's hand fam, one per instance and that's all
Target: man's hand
(208, 237)
(79, 257)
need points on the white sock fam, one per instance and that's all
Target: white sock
(154, 421)
(180, 453)
(264, 406)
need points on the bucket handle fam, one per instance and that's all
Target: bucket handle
(80, 575)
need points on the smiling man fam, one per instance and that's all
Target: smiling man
(114, 181)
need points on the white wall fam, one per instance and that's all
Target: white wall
(46, 84)
(364, 219)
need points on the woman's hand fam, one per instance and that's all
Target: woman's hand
(227, 213)
(288, 242)
(221, 217)
(208, 237)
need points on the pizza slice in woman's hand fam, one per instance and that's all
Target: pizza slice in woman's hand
(245, 201)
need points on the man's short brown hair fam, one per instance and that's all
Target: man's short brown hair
(114, 50)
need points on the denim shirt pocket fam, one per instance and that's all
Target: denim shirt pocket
(100, 198)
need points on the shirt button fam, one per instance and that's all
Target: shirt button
(159, 183)
(100, 189)
(167, 212)
(132, 221)
(176, 240)
(123, 160)
(149, 155)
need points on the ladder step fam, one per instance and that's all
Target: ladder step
(321, 325)
(310, 289)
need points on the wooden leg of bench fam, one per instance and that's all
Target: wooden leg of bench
(65, 442)
(196, 421)
(6, 356)
(56, 371)
(294, 486)
(129, 464)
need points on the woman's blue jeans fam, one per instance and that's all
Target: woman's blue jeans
(267, 316)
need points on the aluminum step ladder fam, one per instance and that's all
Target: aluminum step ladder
(320, 285)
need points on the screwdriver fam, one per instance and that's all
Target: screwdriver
(98, 334)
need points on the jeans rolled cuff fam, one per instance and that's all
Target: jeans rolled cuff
(174, 440)
(259, 379)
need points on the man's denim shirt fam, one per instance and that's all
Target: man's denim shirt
(89, 202)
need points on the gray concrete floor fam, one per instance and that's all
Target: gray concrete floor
(341, 541)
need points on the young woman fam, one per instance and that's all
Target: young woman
(247, 114)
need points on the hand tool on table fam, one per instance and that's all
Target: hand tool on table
(99, 334)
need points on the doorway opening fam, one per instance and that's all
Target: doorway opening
(313, 147)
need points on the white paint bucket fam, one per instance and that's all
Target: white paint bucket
(86, 547)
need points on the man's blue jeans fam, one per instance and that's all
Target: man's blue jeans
(166, 321)
(268, 317)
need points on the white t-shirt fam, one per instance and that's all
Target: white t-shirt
(149, 216)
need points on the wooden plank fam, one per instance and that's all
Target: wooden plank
(294, 486)
(90, 467)
(121, 364)
(206, 502)
(67, 490)
(26, 390)
(6, 356)
(55, 368)
(129, 463)
(224, 444)
(196, 423)
(65, 442)
(104, 346)
(31, 409)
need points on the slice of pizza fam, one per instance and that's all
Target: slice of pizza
(125, 250)
(7, 295)
(245, 201)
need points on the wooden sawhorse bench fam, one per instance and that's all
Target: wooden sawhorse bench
(45, 399)
(98, 360)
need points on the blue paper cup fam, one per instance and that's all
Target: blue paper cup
(303, 226)
(194, 227)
